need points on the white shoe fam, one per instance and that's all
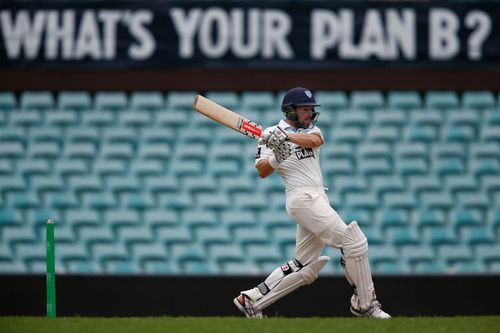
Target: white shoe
(245, 305)
(374, 311)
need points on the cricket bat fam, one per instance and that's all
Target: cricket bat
(227, 117)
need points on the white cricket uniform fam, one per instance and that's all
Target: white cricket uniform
(306, 201)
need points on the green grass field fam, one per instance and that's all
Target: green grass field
(237, 325)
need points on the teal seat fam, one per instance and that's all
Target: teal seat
(369, 167)
(13, 266)
(63, 200)
(103, 118)
(430, 267)
(228, 99)
(19, 234)
(478, 100)
(455, 253)
(350, 135)
(123, 267)
(439, 235)
(12, 150)
(367, 100)
(173, 119)
(468, 267)
(391, 268)
(176, 201)
(391, 218)
(63, 118)
(490, 133)
(467, 117)
(492, 118)
(385, 184)
(83, 134)
(212, 235)
(159, 217)
(474, 200)
(441, 100)
(374, 150)
(224, 253)
(180, 100)
(13, 184)
(416, 253)
(341, 150)
(40, 100)
(402, 236)
(284, 235)
(420, 133)
(80, 184)
(374, 235)
(90, 235)
(7, 101)
(411, 167)
(139, 201)
(47, 150)
(420, 184)
(478, 235)
(367, 200)
(352, 118)
(80, 217)
(465, 218)
(262, 253)
(157, 135)
(113, 101)
(249, 201)
(217, 201)
(74, 100)
(411, 150)
(385, 134)
(7, 169)
(155, 151)
(106, 252)
(83, 267)
(100, 201)
(461, 183)
(439, 200)
(118, 218)
(485, 166)
(462, 134)
(15, 135)
(120, 135)
(331, 100)
(382, 253)
(122, 151)
(161, 267)
(427, 119)
(258, 100)
(488, 253)
(85, 151)
(30, 168)
(144, 168)
(26, 119)
(235, 218)
(146, 101)
(200, 267)
(444, 167)
(135, 119)
(226, 152)
(240, 268)
(72, 252)
(389, 118)
(406, 100)
(362, 216)
(161, 184)
(195, 151)
(137, 234)
(170, 234)
(187, 252)
(251, 235)
(105, 168)
(199, 217)
(232, 185)
(425, 217)
(348, 184)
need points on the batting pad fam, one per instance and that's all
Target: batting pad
(306, 275)
(357, 266)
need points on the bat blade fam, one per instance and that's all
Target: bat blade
(227, 117)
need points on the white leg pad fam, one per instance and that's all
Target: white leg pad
(357, 266)
(281, 285)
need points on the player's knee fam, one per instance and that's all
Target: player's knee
(355, 243)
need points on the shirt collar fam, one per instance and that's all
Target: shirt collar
(286, 126)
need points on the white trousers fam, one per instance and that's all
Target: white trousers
(318, 224)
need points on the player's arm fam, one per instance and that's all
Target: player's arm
(264, 168)
(306, 140)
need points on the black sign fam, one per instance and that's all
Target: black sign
(253, 34)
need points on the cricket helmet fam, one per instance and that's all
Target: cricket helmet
(298, 97)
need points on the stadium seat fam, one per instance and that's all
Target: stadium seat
(144, 168)
(331, 100)
(161, 267)
(478, 100)
(351, 135)
(477, 235)
(441, 100)
(411, 167)
(98, 119)
(262, 253)
(216, 201)
(26, 119)
(42, 100)
(90, 235)
(77, 100)
(199, 217)
(227, 99)
(400, 236)
(251, 235)
(391, 217)
(430, 267)
(240, 268)
(64, 118)
(406, 100)
(257, 101)
(7, 101)
(180, 101)
(173, 234)
(146, 101)
(111, 101)
(439, 235)
(367, 100)
(212, 235)
(120, 135)
(416, 253)
(357, 118)
(235, 218)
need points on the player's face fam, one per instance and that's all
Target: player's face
(304, 114)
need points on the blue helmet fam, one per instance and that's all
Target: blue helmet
(298, 97)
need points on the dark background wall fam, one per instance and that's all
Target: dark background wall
(212, 296)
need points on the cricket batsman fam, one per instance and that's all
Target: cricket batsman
(292, 149)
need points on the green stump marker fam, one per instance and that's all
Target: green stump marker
(51, 271)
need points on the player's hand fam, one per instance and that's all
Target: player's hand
(276, 138)
(283, 151)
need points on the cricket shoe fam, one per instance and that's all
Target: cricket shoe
(374, 311)
(245, 305)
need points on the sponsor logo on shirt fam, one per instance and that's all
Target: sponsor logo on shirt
(302, 153)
